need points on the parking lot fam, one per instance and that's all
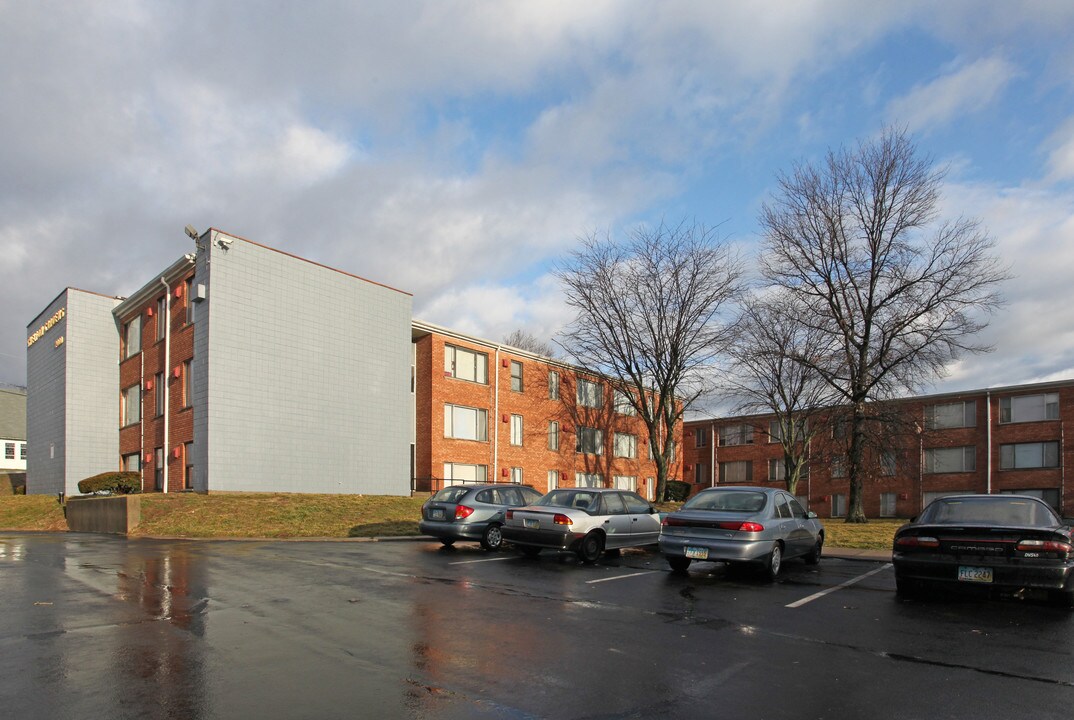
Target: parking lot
(104, 627)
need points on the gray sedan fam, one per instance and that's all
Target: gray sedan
(587, 521)
(472, 512)
(756, 525)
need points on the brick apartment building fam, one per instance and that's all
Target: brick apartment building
(997, 440)
(243, 368)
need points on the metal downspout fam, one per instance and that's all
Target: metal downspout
(167, 366)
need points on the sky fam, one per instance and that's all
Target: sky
(456, 150)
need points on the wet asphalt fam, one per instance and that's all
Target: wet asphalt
(104, 627)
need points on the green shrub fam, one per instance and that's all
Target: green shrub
(113, 483)
(677, 491)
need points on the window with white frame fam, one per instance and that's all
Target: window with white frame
(887, 504)
(1029, 408)
(622, 403)
(590, 441)
(951, 415)
(776, 427)
(553, 479)
(777, 470)
(516, 429)
(626, 482)
(516, 475)
(132, 337)
(131, 405)
(736, 471)
(132, 462)
(671, 451)
(593, 480)
(9, 451)
(951, 460)
(553, 385)
(626, 445)
(701, 437)
(590, 394)
(839, 466)
(737, 434)
(22, 451)
(465, 423)
(455, 473)
(888, 464)
(1021, 456)
(553, 435)
(839, 505)
(516, 376)
(463, 364)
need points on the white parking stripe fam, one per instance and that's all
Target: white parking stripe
(495, 559)
(620, 577)
(848, 583)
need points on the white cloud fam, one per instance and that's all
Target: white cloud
(966, 89)
(1061, 156)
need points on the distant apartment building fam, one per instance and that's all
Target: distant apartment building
(12, 429)
(998, 440)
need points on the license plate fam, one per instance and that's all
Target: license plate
(697, 553)
(436, 514)
(530, 523)
(974, 574)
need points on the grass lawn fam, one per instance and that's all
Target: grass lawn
(288, 515)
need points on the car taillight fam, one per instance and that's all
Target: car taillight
(463, 511)
(561, 519)
(672, 521)
(917, 541)
(510, 514)
(1044, 546)
(741, 526)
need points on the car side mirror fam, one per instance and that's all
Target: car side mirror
(811, 515)
(652, 510)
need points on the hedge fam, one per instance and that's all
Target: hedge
(114, 483)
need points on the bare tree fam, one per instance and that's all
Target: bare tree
(895, 293)
(767, 376)
(649, 318)
(524, 340)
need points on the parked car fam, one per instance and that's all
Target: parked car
(472, 512)
(995, 541)
(587, 521)
(754, 525)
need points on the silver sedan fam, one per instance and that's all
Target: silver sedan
(757, 525)
(587, 521)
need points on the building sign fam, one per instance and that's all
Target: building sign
(40, 332)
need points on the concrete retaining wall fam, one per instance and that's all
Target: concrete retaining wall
(115, 515)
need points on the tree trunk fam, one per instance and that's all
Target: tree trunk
(855, 507)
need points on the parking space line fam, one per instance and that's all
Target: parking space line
(495, 559)
(619, 577)
(848, 583)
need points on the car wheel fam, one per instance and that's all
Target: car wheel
(814, 555)
(591, 548)
(492, 539)
(1061, 598)
(678, 564)
(773, 562)
(530, 551)
(448, 542)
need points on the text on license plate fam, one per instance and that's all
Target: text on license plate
(967, 573)
(530, 523)
(436, 514)
(696, 553)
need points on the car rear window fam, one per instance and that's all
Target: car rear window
(451, 494)
(728, 501)
(989, 511)
(581, 499)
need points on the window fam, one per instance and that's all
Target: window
(701, 438)
(622, 403)
(9, 451)
(463, 473)
(516, 376)
(839, 428)
(1048, 495)
(887, 504)
(516, 475)
(463, 364)
(1018, 456)
(158, 469)
(775, 430)
(777, 470)
(22, 451)
(590, 394)
(188, 394)
(162, 311)
(132, 462)
(553, 435)
(188, 465)
(464, 423)
(701, 474)
(626, 445)
(839, 505)
(132, 338)
(739, 471)
(888, 463)
(739, 434)
(1029, 408)
(594, 480)
(188, 294)
(839, 466)
(131, 407)
(516, 429)
(948, 460)
(951, 415)
(590, 441)
(671, 451)
(553, 479)
(158, 393)
(626, 482)
(553, 385)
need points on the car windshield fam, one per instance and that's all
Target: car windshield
(727, 500)
(451, 494)
(582, 499)
(989, 511)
